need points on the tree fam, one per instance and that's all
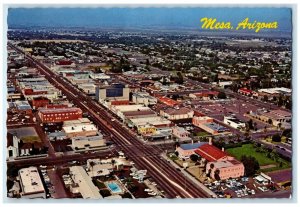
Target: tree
(92, 164)
(194, 157)
(250, 124)
(126, 195)
(255, 126)
(270, 121)
(179, 78)
(276, 138)
(105, 192)
(113, 162)
(279, 125)
(251, 165)
(217, 174)
(222, 95)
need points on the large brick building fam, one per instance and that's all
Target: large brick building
(220, 165)
(50, 115)
(40, 102)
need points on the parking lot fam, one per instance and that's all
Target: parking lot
(239, 188)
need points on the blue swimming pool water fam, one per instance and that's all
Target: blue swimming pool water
(114, 187)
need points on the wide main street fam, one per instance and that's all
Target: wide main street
(144, 156)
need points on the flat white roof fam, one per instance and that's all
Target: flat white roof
(275, 90)
(77, 122)
(95, 141)
(79, 128)
(31, 180)
(86, 187)
(156, 120)
(202, 118)
(124, 108)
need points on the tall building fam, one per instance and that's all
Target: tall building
(113, 92)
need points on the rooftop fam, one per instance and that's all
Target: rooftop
(226, 163)
(79, 128)
(139, 113)
(167, 101)
(59, 110)
(191, 146)
(31, 180)
(86, 187)
(216, 127)
(183, 110)
(210, 152)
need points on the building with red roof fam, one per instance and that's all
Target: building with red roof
(220, 165)
(167, 101)
(53, 115)
(64, 62)
(211, 153)
(245, 91)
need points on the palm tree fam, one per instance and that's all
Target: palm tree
(279, 125)
(92, 164)
(113, 163)
(255, 126)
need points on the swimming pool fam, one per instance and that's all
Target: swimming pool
(114, 187)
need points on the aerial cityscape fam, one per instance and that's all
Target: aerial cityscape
(143, 104)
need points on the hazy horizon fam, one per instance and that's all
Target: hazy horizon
(124, 18)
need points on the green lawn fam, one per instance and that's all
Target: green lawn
(248, 149)
(30, 139)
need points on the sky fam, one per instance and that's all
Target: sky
(142, 17)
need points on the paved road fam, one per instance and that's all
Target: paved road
(144, 156)
(59, 159)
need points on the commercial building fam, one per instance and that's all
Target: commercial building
(38, 102)
(177, 113)
(246, 91)
(112, 92)
(88, 88)
(139, 114)
(31, 183)
(84, 184)
(207, 124)
(167, 101)
(270, 93)
(23, 106)
(224, 84)
(205, 95)
(274, 91)
(277, 118)
(181, 134)
(121, 110)
(37, 87)
(186, 150)
(51, 115)
(234, 122)
(79, 128)
(220, 165)
(149, 125)
(88, 143)
(99, 76)
(143, 98)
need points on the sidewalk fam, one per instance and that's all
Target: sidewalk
(194, 180)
